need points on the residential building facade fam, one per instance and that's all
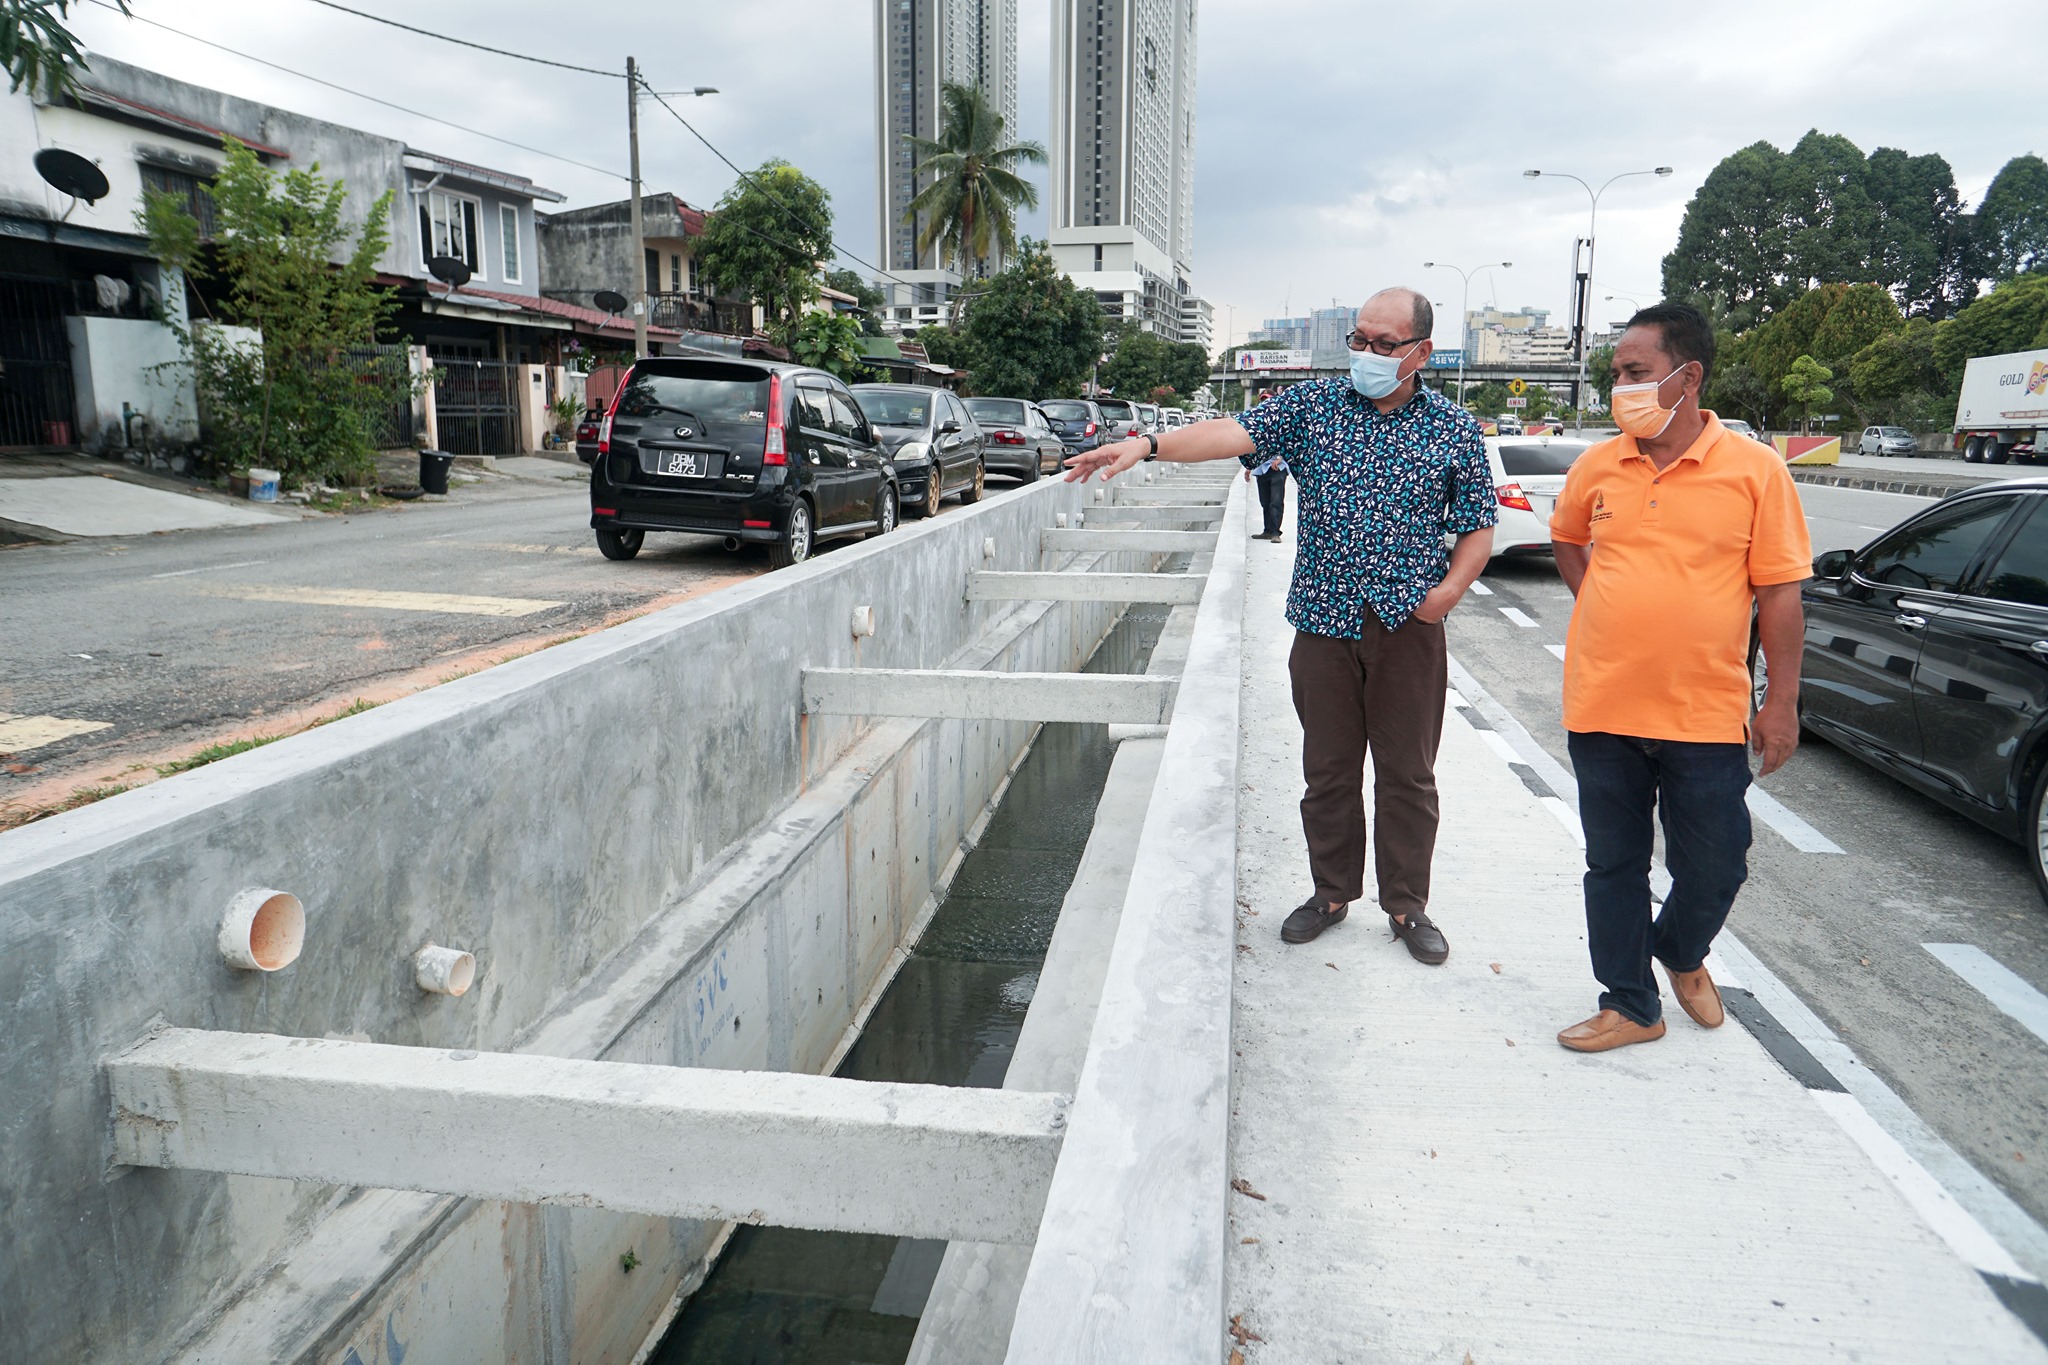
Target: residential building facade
(920, 47)
(586, 251)
(1121, 192)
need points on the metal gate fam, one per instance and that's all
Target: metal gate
(476, 407)
(36, 401)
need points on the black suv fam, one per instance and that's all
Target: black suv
(1927, 657)
(935, 446)
(747, 450)
(1078, 422)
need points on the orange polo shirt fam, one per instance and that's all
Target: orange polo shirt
(1659, 640)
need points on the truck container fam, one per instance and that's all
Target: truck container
(2002, 413)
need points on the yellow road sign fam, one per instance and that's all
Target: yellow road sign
(1517, 387)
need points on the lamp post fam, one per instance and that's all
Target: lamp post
(1582, 285)
(635, 82)
(1464, 305)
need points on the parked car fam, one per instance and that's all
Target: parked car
(1927, 657)
(933, 443)
(1121, 419)
(1507, 424)
(1174, 417)
(1887, 441)
(586, 436)
(747, 450)
(1148, 417)
(1021, 441)
(1078, 422)
(1742, 428)
(1528, 474)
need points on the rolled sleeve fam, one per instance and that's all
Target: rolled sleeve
(1571, 521)
(1473, 503)
(1275, 426)
(1780, 551)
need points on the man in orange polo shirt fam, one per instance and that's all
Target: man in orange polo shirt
(1671, 536)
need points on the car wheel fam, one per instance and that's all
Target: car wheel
(973, 491)
(618, 544)
(1973, 449)
(794, 546)
(2037, 831)
(885, 512)
(1034, 470)
(934, 489)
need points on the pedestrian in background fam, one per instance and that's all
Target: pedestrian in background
(1271, 473)
(1672, 536)
(1383, 469)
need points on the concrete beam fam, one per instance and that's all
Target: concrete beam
(1087, 539)
(970, 694)
(1143, 494)
(679, 1142)
(1180, 514)
(1173, 588)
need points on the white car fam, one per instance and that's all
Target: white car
(1528, 474)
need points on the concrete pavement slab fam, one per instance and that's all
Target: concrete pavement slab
(93, 506)
(1441, 1182)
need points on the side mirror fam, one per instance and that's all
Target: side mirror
(1833, 565)
(948, 427)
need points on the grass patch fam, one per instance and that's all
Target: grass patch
(12, 817)
(213, 753)
(354, 708)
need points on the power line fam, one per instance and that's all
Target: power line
(416, 113)
(464, 42)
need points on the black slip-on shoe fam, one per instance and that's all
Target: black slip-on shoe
(1309, 919)
(1425, 941)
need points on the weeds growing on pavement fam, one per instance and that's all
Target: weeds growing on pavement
(213, 753)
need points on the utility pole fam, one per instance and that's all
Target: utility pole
(639, 263)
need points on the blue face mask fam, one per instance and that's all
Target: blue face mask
(1375, 376)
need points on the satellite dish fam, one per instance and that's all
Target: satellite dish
(452, 271)
(69, 173)
(611, 300)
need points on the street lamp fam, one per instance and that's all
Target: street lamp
(635, 83)
(1464, 302)
(1583, 291)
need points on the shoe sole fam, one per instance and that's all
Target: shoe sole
(1608, 1042)
(1686, 1004)
(1329, 921)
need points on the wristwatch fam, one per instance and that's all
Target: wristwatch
(1152, 441)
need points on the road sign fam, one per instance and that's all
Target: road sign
(1518, 402)
(1446, 360)
(1517, 387)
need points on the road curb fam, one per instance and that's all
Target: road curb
(1923, 486)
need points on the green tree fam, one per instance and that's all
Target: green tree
(2012, 222)
(1600, 372)
(969, 208)
(37, 49)
(306, 399)
(871, 299)
(1895, 379)
(1137, 364)
(1922, 245)
(1735, 390)
(830, 341)
(764, 241)
(1829, 211)
(2012, 317)
(1734, 241)
(1031, 332)
(1861, 315)
(1805, 385)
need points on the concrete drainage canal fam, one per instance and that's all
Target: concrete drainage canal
(951, 1017)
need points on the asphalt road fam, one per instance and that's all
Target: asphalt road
(1846, 930)
(170, 643)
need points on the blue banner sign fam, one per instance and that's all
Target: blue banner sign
(1446, 360)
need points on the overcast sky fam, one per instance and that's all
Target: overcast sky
(1339, 143)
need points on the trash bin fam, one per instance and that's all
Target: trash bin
(434, 465)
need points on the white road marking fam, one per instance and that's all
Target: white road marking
(517, 548)
(210, 568)
(1558, 650)
(1951, 1221)
(1997, 983)
(1519, 617)
(1482, 590)
(1455, 697)
(456, 604)
(1499, 746)
(19, 733)
(1797, 832)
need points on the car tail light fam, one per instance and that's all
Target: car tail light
(605, 511)
(777, 449)
(756, 525)
(604, 430)
(1090, 430)
(1006, 438)
(1511, 495)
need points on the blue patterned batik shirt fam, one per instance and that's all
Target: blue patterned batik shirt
(1377, 492)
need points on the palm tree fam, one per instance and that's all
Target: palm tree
(971, 204)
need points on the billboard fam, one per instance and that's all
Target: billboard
(1275, 360)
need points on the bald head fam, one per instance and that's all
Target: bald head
(1399, 308)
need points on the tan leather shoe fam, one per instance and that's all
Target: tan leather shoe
(1609, 1029)
(1698, 996)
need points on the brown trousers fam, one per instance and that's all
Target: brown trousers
(1384, 692)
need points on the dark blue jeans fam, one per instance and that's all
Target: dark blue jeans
(1273, 499)
(1697, 790)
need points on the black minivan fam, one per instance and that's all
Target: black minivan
(748, 450)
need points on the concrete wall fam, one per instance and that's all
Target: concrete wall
(137, 362)
(655, 857)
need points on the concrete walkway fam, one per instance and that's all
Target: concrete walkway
(103, 505)
(1442, 1182)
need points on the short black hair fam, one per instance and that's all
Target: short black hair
(1684, 331)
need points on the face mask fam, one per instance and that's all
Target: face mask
(1375, 376)
(1637, 411)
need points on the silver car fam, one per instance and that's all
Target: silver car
(1887, 441)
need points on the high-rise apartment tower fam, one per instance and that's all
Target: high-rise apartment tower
(920, 46)
(1122, 197)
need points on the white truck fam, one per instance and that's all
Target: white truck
(2002, 413)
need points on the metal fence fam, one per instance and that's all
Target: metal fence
(390, 425)
(476, 407)
(36, 398)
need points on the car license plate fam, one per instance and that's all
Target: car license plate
(683, 464)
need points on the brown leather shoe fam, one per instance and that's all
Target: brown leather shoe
(1609, 1029)
(1698, 996)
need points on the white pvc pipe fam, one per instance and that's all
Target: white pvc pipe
(263, 930)
(444, 971)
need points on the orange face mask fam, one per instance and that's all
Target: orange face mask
(1637, 410)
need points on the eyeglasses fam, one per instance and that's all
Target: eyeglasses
(1359, 341)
